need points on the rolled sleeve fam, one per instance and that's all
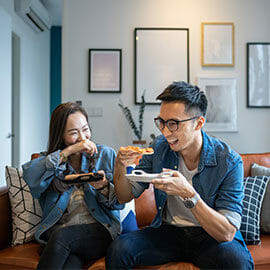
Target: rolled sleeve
(233, 217)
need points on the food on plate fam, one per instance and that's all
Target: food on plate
(83, 177)
(143, 151)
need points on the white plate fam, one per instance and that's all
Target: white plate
(141, 176)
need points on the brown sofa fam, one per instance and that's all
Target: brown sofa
(26, 256)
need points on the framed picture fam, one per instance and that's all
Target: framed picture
(221, 113)
(217, 48)
(258, 75)
(161, 57)
(105, 70)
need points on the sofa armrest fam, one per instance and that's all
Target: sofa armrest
(5, 219)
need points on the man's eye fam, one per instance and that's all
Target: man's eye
(85, 129)
(172, 125)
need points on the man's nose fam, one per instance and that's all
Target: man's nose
(165, 131)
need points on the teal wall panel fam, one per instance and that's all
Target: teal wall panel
(56, 71)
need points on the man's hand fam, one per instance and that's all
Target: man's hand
(175, 185)
(126, 157)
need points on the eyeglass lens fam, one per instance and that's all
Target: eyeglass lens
(172, 125)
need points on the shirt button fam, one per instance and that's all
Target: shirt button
(159, 208)
(175, 167)
(93, 209)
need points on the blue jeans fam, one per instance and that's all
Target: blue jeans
(153, 246)
(69, 247)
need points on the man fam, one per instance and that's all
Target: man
(199, 208)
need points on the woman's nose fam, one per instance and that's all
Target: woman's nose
(81, 136)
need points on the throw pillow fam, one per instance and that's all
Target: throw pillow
(26, 211)
(128, 218)
(254, 190)
(257, 170)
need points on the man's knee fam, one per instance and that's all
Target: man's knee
(119, 252)
(122, 243)
(234, 256)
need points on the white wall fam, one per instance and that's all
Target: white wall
(34, 85)
(110, 24)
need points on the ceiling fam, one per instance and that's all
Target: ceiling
(55, 10)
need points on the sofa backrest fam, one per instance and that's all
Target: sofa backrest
(262, 159)
(145, 206)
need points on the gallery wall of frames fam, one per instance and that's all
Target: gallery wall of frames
(217, 47)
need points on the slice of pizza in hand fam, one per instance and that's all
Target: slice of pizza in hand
(143, 151)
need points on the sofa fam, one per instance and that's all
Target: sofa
(26, 256)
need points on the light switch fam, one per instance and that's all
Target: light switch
(95, 112)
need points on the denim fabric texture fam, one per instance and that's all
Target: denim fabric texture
(219, 179)
(88, 242)
(154, 246)
(39, 173)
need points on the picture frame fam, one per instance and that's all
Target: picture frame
(221, 93)
(217, 44)
(258, 70)
(105, 70)
(161, 57)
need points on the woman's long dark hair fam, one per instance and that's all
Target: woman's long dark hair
(58, 122)
(56, 134)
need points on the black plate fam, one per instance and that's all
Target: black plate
(85, 179)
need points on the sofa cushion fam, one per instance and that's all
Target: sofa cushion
(254, 190)
(20, 257)
(26, 212)
(258, 170)
(128, 217)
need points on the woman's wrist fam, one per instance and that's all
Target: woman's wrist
(64, 154)
(63, 157)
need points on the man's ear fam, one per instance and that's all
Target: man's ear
(200, 122)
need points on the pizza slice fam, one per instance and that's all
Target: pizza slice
(143, 151)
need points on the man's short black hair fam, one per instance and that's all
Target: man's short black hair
(193, 98)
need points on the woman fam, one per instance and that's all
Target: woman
(79, 221)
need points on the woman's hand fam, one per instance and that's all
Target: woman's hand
(101, 183)
(86, 146)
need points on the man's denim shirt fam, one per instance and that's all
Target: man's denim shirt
(219, 179)
(39, 173)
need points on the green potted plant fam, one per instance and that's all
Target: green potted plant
(137, 129)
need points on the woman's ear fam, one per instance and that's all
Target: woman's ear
(200, 122)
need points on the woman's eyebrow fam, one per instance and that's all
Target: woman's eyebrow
(75, 129)
(72, 129)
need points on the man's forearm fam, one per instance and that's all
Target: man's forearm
(122, 187)
(213, 222)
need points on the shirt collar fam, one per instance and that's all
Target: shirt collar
(208, 154)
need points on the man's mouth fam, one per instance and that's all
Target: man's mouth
(172, 142)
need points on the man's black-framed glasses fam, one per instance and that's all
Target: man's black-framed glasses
(171, 124)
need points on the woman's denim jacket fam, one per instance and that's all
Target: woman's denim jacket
(219, 179)
(39, 173)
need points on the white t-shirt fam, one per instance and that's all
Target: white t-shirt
(175, 212)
